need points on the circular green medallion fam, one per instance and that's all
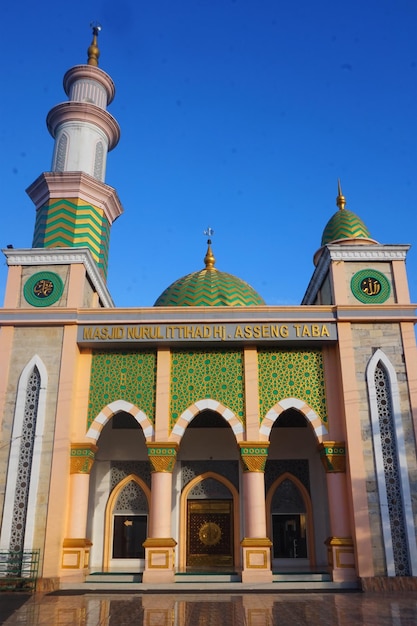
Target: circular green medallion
(43, 289)
(370, 286)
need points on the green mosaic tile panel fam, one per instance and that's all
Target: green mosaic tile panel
(129, 376)
(212, 374)
(288, 374)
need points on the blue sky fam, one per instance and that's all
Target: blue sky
(238, 114)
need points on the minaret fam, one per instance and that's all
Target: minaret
(352, 268)
(74, 207)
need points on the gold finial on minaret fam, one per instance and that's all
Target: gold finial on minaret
(209, 259)
(93, 50)
(340, 200)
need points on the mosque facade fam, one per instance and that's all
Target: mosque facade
(210, 433)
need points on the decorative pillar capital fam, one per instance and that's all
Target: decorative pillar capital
(253, 455)
(162, 456)
(82, 457)
(333, 456)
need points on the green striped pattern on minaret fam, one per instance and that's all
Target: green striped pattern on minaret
(66, 223)
(344, 225)
(209, 287)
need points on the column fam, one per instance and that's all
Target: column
(340, 550)
(256, 547)
(76, 547)
(160, 546)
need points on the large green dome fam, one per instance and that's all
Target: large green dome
(344, 224)
(209, 287)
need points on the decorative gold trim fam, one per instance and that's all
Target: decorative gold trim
(339, 541)
(337, 546)
(259, 616)
(341, 565)
(250, 553)
(162, 456)
(156, 553)
(249, 542)
(77, 542)
(82, 457)
(333, 456)
(165, 617)
(253, 455)
(67, 553)
(158, 542)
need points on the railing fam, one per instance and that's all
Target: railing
(18, 570)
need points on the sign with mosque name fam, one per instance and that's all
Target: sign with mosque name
(160, 333)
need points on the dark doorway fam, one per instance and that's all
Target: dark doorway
(130, 531)
(289, 536)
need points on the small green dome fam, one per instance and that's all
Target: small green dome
(209, 287)
(344, 224)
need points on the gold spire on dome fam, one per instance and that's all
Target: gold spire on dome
(93, 50)
(340, 200)
(209, 259)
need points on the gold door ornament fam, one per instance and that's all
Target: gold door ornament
(210, 534)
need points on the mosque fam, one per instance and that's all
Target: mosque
(211, 433)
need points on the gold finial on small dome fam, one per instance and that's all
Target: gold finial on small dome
(340, 200)
(209, 259)
(93, 50)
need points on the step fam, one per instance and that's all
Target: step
(114, 577)
(314, 585)
(226, 582)
(207, 577)
(209, 587)
(292, 577)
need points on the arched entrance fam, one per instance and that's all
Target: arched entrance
(209, 517)
(208, 471)
(119, 495)
(291, 526)
(126, 524)
(296, 490)
(210, 527)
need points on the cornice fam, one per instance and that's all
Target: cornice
(89, 72)
(216, 315)
(392, 252)
(62, 256)
(84, 112)
(350, 252)
(75, 185)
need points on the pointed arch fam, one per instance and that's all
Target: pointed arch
(202, 405)
(308, 507)
(35, 365)
(107, 413)
(392, 421)
(61, 152)
(99, 161)
(183, 515)
(110, 506)
(311, 416)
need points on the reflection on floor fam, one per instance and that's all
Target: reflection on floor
(250, 609)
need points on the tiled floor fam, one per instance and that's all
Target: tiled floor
(251, 609)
